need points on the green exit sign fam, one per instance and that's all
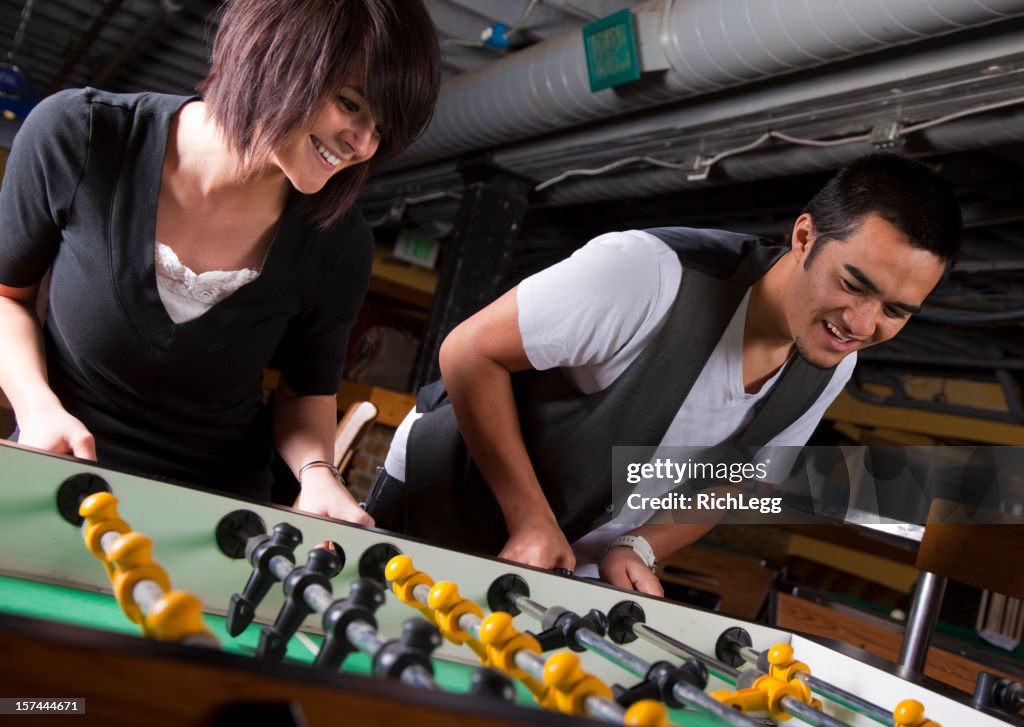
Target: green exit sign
(417, 248)
(610, 46)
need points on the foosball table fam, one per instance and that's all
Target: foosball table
(133, 601)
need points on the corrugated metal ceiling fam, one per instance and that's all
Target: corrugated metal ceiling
(161, 45)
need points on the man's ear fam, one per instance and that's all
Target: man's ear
(803, 238)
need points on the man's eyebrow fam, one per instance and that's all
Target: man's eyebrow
(868, 283)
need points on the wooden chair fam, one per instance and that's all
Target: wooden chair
(351, 428)
(982, 555)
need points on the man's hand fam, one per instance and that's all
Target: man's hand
(321, 494)
(55, 430)
(622, 567)
(538, 541)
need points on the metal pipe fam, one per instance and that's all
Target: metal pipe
(546, 86)
(924, 612)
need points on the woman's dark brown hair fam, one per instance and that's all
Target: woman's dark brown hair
(274, 62)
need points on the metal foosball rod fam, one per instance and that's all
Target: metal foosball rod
(349, 624)
(140, 585)
(569, 688)
(512, 594)
(626, 622)
(406, 659)
(391, 658)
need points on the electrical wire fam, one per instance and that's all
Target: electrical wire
(517, 26)
(513, 29)
(398, 210)
(19, 34)
(613, 165)
(961, 114)
(462, 43)
(704, 164)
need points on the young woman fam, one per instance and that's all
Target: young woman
(194, 241)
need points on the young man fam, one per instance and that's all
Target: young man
(629, 321)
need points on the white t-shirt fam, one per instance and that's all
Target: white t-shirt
(593, 314)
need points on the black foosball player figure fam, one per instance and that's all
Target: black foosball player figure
(195, 240)
(663, 337)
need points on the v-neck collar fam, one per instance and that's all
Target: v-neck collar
(734, 342)
(132, 233)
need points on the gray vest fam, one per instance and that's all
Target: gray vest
(570, 435)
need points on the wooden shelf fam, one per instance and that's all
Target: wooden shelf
(846, 408)
(392, 406)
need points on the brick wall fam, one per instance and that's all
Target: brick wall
(369, 455)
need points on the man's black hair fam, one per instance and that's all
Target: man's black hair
(907, 194)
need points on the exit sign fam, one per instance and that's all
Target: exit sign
(417, 248)
(610, 46)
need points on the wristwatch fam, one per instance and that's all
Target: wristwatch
(639, 545)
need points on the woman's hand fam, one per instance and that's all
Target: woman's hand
(54, 430)
(622, 567)
(538, 541)
(322, 494)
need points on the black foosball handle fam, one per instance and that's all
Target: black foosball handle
(364, 598)
(492, 684)
(561, 628)
(321, 566)
(418, 640)
(259, 551)
(995, 692)
(660, 681)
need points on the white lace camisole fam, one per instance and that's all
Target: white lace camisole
(187, 296)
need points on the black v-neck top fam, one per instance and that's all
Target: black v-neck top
(182, 401)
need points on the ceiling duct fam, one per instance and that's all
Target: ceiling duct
(710, 45)
(978, 132)
(923, 86)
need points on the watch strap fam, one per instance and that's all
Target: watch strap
(639, 545)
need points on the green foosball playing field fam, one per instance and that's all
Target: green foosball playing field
(51, 604)
(100, 611)
(66, 544)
